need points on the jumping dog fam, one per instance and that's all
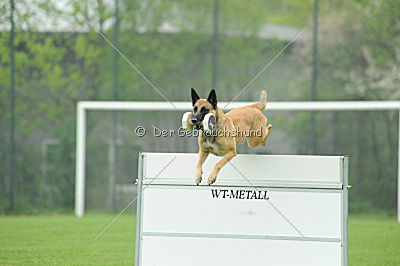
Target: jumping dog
(240, 124)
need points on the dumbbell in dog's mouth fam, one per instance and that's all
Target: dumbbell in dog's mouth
(206, 122)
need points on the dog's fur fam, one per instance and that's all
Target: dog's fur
(232, 126)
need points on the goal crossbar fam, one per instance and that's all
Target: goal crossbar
(84, 106)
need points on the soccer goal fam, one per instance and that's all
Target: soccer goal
(105, 106)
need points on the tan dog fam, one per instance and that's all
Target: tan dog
(236, 126)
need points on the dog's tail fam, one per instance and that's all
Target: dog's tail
(263, 101)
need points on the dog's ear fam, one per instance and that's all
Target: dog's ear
(212, 98)
(195, 97)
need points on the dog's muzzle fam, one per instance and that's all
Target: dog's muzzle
(194, 120)
(209, 124)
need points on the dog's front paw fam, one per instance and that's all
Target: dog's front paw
(212, 178)
(197, 177)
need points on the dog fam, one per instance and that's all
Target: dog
(232, 128)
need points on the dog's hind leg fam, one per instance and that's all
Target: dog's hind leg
(199, 166)
(227, 157)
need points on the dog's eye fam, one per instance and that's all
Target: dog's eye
(195, 109)
(204, 110)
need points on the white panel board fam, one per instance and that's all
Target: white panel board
(260, 170)
(237, 252)
(295, 215)
(183, 210)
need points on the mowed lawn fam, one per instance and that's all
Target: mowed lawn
(67, 240)
(64, 239)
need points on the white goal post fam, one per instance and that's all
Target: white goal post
(84, 106)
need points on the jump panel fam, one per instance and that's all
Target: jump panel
(206, 211)
(260, 170)
(196, 251)
(287, 210)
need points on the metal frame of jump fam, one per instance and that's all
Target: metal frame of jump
(84, 106)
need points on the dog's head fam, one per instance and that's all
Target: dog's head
(201, 107)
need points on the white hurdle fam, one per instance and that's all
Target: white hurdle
(262, 210)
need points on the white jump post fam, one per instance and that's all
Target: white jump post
(84, 106)
(262, 210)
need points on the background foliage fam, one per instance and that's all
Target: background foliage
(61, 59)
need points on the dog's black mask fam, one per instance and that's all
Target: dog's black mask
(200, 111)
(198, 115)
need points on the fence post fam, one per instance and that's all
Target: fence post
(12, 109)
(314, 75)
(215, 50)
(115, 66)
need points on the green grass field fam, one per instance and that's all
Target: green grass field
(64, 239)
